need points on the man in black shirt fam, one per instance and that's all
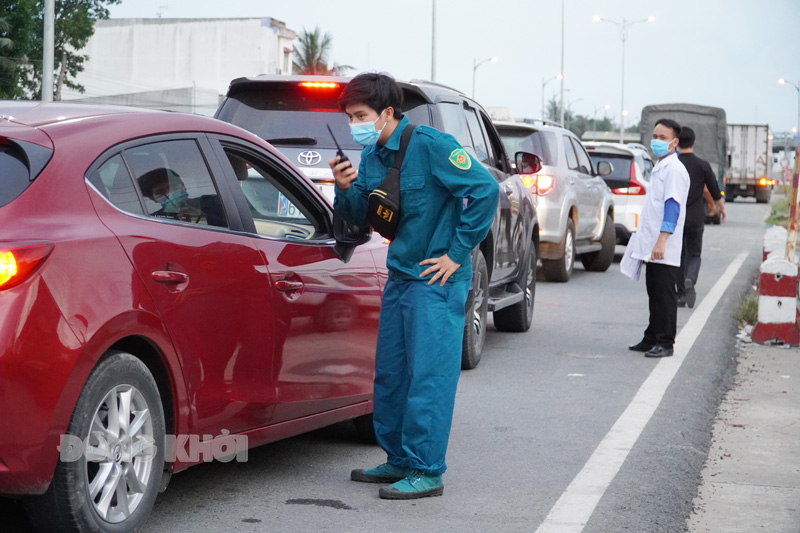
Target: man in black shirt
(701, 176)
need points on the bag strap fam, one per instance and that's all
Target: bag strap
(401, 152)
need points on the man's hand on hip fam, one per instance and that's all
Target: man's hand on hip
(443, 266)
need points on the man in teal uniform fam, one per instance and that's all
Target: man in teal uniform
(448, 202)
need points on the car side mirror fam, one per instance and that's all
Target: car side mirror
(527, 163)
(604, 168)
(348, 236)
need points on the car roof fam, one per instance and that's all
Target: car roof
(501, 124)
(429, 90)
(607, 148)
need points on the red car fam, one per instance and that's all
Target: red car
(165, 278)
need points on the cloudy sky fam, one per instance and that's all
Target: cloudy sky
(724, 53)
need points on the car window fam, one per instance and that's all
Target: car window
(621, 165)
(453, 122)
(572, 161)
(15, 176)
(584, 163)
(276, 209)
(496, 149)
(113, 181)
(478, 140)
(541, 143)
(175, 183)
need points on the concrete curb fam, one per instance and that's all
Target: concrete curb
(751, 479)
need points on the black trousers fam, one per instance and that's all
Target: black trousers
(661, 291)
(690, 255)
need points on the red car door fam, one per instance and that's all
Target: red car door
(209, 284)
(325, 309)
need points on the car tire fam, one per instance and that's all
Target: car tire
(560, 269)
(763, 195)
(518, 317)
(365, 428)
(600, 261)
(476, 311)
(120, 380)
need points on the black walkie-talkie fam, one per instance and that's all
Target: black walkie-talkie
(339, 152)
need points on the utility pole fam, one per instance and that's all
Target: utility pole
(433, 42)
(561, 106)
(48, 56)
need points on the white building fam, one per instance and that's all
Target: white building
(179, 64)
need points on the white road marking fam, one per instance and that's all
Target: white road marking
(576, 505)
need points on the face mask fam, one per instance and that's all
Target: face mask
(364, 133)
(174, 199)
(660, 148)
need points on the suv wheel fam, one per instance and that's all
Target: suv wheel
(600, 261)
(518, 317)
(561, 269)
(477, 311)
(112, 480)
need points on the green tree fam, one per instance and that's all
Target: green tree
(311, 55)
(74, 25)
(553, 112)
(17, 34)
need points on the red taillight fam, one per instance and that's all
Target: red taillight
(544, 184)
(634, 188)
(319, 85)
(529, 180)
(17, 262)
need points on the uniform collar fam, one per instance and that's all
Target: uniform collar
(394, 139)
(662, 162)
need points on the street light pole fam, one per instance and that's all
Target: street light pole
(623, 34)
(433, 41)
(544, 84)
(561, 120)
(475, 65)
(783, 81)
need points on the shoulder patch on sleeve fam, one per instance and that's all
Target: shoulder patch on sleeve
(460, 159)
(428, 131)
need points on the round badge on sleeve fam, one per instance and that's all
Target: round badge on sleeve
(460, 159)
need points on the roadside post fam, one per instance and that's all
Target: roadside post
(791, 238)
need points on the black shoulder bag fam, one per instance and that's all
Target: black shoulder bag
(383, 208)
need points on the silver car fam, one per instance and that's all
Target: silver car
(575, 207)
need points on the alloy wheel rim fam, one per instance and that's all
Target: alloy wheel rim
(477, 316)
(119, 453)
(568, 251)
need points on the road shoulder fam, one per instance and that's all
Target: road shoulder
(751, 479)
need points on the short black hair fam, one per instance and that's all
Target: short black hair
(671, 124)
(377, 90)
(686, 138)
(149, 180)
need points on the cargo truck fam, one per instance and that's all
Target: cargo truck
(749, 162)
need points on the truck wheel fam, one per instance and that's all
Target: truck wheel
(518, 317)
(763, 195)
(601, 260)
(561, 269)
(477, 310)
(109, 481)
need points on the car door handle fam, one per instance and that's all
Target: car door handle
(284, 285)
(169, 277)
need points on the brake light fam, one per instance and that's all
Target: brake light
(763, 181)
(18, 262)
(544, 184)
(529, 180)
(635, 187)
(319, 85)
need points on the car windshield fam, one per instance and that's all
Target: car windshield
(285, 114)
(541, 143)
(621, 164)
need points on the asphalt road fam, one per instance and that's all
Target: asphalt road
(527, 420)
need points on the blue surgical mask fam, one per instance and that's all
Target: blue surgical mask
(174, 199)
(364, 133)
(660, 148)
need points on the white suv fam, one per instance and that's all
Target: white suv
(575, 207)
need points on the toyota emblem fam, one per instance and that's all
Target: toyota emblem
(309, 158)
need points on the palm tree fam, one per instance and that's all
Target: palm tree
(6, 45)
(311, 55)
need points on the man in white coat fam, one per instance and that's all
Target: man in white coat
(659, 239)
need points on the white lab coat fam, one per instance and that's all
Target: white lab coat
(669, 179)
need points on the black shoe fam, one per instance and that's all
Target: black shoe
(643, 346)
(691, 294)
(681, 301)
(659, 351)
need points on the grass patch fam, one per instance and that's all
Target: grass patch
(780, 211)
(747, 310)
